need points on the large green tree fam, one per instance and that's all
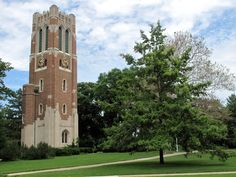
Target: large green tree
(160, 110)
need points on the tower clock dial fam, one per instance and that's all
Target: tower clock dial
(65, 62)
(41, 62)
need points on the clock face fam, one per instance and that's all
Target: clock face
(65, 62)
(41, 62)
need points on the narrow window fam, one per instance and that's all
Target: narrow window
(40, 109)
(67, 41)
(64, 85)
(40, 40)
(64, 109)
(60, 38)
(46, 39)
(46, 62)
(41, 85)
(60, 62)
(65, 136)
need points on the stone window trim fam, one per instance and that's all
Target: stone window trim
(40, 40)
(67, 36)
(64, 85)
(41, 85)
(46, 37)
(40, 112)
(64, 39)
(60, 38)
(64, 109)
(65, 136)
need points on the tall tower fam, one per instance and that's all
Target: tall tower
(50, 98)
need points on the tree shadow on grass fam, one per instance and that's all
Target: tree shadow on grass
(173, 166)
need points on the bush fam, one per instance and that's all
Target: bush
(30, 153)
(66, 151)
(42, 151)
(45, 151)
(11, 151)
(87, 149)
(62, 152)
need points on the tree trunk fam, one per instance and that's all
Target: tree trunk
(161, 154)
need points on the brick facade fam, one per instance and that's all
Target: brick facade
(50, 98)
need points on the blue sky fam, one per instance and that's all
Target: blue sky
(106, 28)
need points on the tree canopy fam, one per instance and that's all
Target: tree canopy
(156, 101)
(203, 69)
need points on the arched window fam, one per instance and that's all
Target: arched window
(40, 109)
(64, 85)
(64, 136)
(46, 39)
(64, 109)
(67, 41)
(60, 38)
(40, 40)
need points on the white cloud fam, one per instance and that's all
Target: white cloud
(224, 53)
(106, 28)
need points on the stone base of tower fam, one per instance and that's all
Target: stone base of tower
(50, 129)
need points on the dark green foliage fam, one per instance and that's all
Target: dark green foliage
(231, 105)
(2, 138)
(90, 121)
(67, 151)
(221, 154)
(13, 108)
(10, 119)
(10, 151)
(42, 151)
(9, 131)
(30, 153)
(45, 151)
(4, 91)
(231, 123)
(87, 150)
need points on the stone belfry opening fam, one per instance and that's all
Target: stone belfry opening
(50, 98)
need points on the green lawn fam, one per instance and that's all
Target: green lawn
(67, 161)
(178, 164)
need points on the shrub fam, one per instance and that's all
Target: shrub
(45, 151)
(11, 151)
(62, 152)
(31, 153)
(87, 149)
(66, 151)
(42, 151)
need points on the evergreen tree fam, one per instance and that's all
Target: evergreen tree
(231, 105)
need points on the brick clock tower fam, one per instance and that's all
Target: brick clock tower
(50, 98)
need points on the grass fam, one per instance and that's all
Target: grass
(177, 164)
(68, 161)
